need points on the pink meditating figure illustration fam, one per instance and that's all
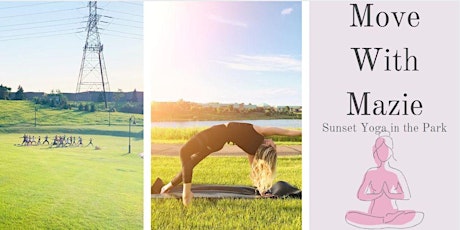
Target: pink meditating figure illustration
(383, 186)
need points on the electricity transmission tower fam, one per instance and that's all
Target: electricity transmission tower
(93, 74)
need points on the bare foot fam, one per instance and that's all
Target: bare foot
(187, 199)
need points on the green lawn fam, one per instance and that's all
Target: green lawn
(73, 187)
(22, 114)
(227, 213)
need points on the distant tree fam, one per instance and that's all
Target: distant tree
(56, 99)
(230, 108)
(288, 109)
(4, 92)
(19, 95)
(131, 108)
(118, 97)
(93, 108)
(66, 106)
(80, 107)
(100, 97)
(134, 97)
(52, 103)
(87, 108)
(63, 101)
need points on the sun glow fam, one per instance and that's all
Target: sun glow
(179, 38)
(227, 52)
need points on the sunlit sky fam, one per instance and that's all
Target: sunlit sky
(42, 43)
(227, 52)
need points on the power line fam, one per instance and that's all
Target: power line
(44, 12)
(40, 36)
(33, 4)
(121, 36)
(132, 3)
(124, 19)
(126, 23)
(120, 12)
(121, 32)
(41, 22)
(118, 24)
(46, 32)
(37, 27)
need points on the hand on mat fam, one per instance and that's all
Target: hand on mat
(270, 142)
(267, 195)
(166, 188)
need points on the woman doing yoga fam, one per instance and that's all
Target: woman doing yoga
(250, 138)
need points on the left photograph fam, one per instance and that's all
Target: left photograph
(71, 120)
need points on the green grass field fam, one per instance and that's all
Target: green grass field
(227, 213)
(73, 187)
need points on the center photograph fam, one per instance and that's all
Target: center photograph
(226, 114)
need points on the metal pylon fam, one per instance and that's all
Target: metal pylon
(93, 74)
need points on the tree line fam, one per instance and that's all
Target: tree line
(184, 110)
(119, 102)
(5, 92)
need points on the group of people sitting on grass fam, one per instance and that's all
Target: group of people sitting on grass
(58, 141)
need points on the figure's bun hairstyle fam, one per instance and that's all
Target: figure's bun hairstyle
(384, 138)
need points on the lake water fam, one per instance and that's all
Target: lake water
(282, 123)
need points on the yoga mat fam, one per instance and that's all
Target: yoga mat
(280, 189)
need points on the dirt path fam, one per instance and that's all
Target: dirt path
(228, 150)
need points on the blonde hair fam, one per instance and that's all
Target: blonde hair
(264, 168)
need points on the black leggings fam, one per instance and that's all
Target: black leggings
(194, 151)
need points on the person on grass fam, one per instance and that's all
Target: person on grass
(25, 139)
(46, 140)
(80, 141)
(90, 142)
(250, 138)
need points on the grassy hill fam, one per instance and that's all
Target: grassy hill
(19, 117)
